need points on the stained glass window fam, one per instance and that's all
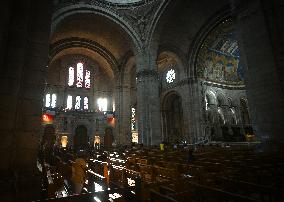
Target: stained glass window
(170, 76)
(69, 102)
(47, 100)
(71, 76)
(78, 102)
(86, 103)
(80, 73)
(82, 80)
(53, 100)
(102, 104)
(87, 79)
(133, 120)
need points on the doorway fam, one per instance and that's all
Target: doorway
(172, 113)
(80, 138)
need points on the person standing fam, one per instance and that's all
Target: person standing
(78, 174)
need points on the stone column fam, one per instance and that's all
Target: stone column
(126, 115)
(118, 111)
(189, 126)
(122, 111)
(21, 92)
(195, 94)
(148, 107)
(227, 113)
(260, 35)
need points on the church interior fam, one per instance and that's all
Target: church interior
(142, 100)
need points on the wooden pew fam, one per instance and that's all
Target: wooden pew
(158, 197)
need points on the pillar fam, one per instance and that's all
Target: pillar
(25, 57)
(122, 111)
(148, 104)
(260, 35)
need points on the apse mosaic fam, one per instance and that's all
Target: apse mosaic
(218, 58)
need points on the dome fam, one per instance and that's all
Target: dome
(123, 1)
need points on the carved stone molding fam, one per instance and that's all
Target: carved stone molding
(84, 43)
(187, 81)
(223, 86)
(140, 15)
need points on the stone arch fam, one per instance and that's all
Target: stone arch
(232, 114)
(230, 102)
(75, 42)
(172, 113)
(170, 60)
(128, 65)
(128, 98)
(80, 138)
(69, 10)
(221, 99)
(233, 117)
(49, 136)
(210, 117)
(153, 28)
(176, 54)
(194, 49)
(108, 138)
(244, 111)
(210, 96)
(221, 117)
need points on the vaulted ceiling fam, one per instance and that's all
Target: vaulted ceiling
(95, 28)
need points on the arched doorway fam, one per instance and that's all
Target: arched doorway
(80, 140)
(108, 138)
(173, 129)
(49, 136)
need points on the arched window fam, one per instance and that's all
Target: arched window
(50, 100)
(86, 103)
(102, 104)
(133, 119)
(134, 128)
(82, 75)
(88, 79)
(71, 76)
(113, 106)
(53, 100)
(47, 100)
(69, 102)
(78, 102)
